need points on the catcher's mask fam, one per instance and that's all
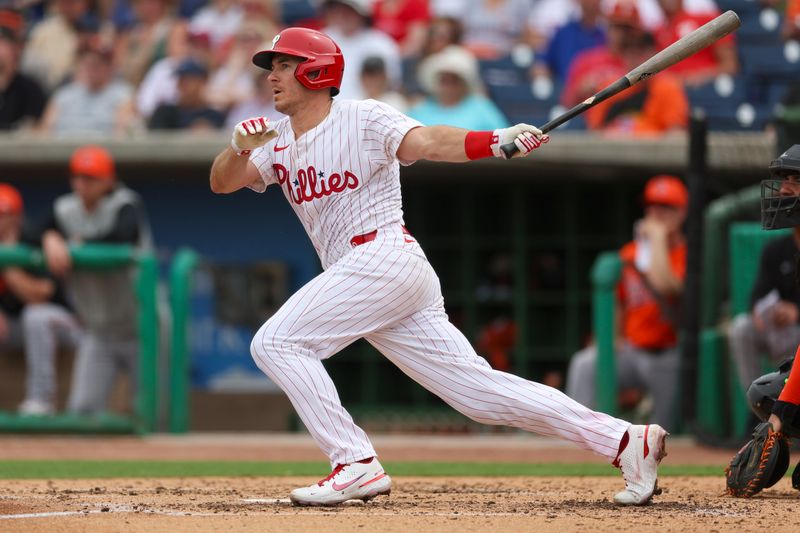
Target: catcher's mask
(780, 204)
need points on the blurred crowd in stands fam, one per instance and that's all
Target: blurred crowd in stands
(122, 67)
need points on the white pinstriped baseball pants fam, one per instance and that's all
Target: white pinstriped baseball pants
(387, 292)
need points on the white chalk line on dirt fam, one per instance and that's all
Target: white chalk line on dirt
(108, 510)
(357, 507)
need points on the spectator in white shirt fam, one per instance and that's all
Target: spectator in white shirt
(220, 19)
(347, 22)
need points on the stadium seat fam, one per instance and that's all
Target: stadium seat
(775, 92)
(408, 67)
(503, 72)
(745, 117)
(760, 27)
(296, 10)
(770, 60)
(741, 7)
(525, 102)
(723, 93)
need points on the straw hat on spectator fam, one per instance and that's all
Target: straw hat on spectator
(453, 59)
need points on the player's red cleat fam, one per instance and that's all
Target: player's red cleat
(638, 459)
(354, 481)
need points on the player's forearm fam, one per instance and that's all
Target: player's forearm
(28, 288)
(443, 143)
(229, 172)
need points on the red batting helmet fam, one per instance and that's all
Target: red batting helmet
(319, 52)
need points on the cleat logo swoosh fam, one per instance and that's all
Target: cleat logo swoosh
(343, 486)
(280, 148)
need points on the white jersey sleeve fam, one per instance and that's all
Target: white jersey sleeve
(262, 159)
(383, 129)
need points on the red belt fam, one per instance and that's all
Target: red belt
(358, 240)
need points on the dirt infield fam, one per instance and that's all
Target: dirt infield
(416, 503)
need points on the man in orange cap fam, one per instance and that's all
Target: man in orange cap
(98, 210)
(648, 297)
(33, 313)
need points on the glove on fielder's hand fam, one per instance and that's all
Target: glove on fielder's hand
(759, 464)
(250, 134)
(526, 137)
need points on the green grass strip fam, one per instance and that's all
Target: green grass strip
(111, 469)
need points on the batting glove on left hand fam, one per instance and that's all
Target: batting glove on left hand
(527, 138)
(250, 134)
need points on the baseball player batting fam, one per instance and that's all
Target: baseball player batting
(338, 164)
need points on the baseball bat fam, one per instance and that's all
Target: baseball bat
(700, 38)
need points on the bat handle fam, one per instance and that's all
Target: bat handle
(509, 150)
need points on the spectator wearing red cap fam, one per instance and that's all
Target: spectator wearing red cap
(698, 68)
(22, 99)
(33, 312)
(648, 300)
(98, 210)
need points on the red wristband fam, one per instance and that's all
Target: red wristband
(478, 144)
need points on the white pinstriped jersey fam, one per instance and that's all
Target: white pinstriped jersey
(342, 177)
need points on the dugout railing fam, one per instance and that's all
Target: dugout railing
(721, 408)
(180, 285)
(145, 411)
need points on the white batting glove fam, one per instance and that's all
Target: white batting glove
(527, 138)
(250, 134)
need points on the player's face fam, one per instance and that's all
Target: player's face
(790, 186)
(671, 216)
(452, 88)
(9, 228)
(90, 189)
(289, 94)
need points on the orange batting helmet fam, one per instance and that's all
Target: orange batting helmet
(92, 161)
(10, 200)
(319, 52)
